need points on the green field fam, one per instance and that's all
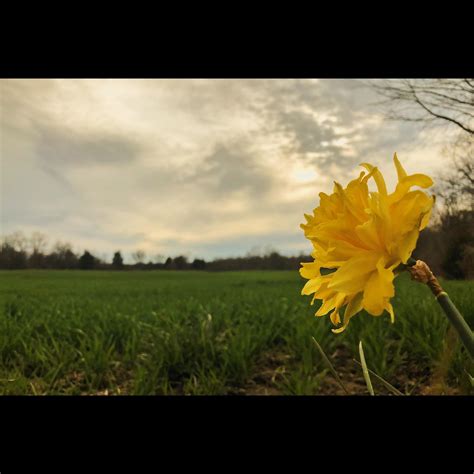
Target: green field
(166, 332)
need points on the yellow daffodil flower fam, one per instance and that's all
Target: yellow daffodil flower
(359, 238)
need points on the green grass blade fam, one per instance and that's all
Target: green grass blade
(331, 367)
(387, 385)
(365, 370)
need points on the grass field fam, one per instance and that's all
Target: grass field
(72, 332)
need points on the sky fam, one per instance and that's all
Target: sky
(204, 168)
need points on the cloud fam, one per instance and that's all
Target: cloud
(232, 168)
(204, 167)
(63, 147)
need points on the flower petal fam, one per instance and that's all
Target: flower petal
(352, 308)
(378, 177)
(400, 170)
(379, 287)
(351, 277)
(313, 285)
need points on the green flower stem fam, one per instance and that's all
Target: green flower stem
(421, 272)
(459, 323)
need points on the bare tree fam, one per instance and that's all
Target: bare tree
(139, 256)
(38, 242)
(62, 248)
(456, 186)
(17, 240)
(159, 258)
(430, 101)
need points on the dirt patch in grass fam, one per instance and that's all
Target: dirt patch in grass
(270, 366)
(118, 382)
(412, 377)
(409, 378)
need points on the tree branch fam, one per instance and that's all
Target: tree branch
(440, 116)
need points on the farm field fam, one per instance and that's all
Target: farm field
(202, 333)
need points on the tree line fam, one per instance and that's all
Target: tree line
(20, 252)
(447, 245)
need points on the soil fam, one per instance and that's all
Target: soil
(411, 378)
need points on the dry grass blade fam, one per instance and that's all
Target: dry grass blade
(471, 378)
(365, 370)
(388, 385)
(331, 367)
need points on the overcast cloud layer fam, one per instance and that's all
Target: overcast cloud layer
(205, 168)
